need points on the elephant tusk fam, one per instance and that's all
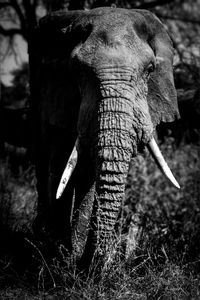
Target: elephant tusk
(70, 166)
(160, 161)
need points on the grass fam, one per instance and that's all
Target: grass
(165, 263)
(17, 196)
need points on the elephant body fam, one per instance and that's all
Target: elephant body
(103, 77)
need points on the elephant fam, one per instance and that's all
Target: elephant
(101, 80)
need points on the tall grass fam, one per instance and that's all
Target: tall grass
(18, 197)
(165, 261)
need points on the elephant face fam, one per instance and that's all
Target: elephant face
(102, 77)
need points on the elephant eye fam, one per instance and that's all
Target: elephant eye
(150, 69)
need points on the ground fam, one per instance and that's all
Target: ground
(164, 265)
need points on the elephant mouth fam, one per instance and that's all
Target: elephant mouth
(151, 146)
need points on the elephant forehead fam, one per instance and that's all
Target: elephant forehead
(110, 22)
(113, 17)
(116, 37)
(111, 28)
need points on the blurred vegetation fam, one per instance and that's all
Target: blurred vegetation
(165, 263)
(16, 95)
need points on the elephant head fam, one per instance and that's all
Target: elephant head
(102, 79)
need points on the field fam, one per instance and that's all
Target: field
(165, 263)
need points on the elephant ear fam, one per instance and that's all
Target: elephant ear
(162, 97)
(53, 94)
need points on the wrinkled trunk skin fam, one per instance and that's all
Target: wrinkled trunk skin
(120, 121)
(114, 148)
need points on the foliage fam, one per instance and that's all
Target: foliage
(171, 217)
(17, 197)
(21, 82)
(17, 95)
(182, 21)
(165, 263)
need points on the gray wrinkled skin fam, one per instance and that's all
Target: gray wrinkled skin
(105, 76)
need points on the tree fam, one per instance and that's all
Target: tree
(18, 17)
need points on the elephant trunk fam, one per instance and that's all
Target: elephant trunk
(114, 146)
(112, 168)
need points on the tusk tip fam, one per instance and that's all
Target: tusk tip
(171, 178)
(59, 192)
(176, 185)
(58, 195)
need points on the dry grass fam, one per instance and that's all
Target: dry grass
(166, 261)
